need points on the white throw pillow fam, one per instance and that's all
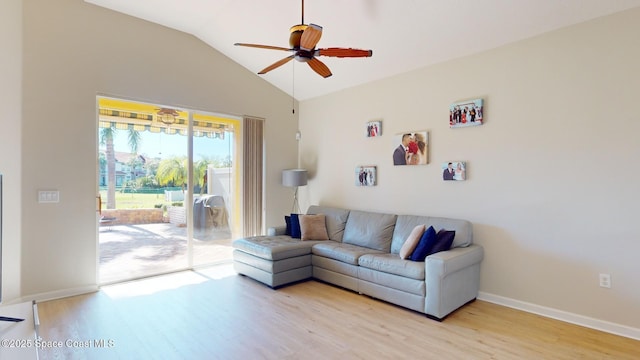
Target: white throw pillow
(411, 242)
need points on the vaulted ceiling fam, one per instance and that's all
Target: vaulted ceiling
(404, 35)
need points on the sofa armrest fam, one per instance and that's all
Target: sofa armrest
(452, 279)
(446, 262)
(276, 230)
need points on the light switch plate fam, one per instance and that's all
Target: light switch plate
(48, 196)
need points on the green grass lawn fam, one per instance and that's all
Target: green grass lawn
(135, 200)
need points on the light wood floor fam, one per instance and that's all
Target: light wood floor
(216, 314)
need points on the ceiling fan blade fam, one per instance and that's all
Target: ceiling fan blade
(276, 64)
(343, 52)
(319, 67)
(310, 37)
(264, 46)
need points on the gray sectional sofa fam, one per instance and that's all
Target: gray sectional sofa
(362, 255)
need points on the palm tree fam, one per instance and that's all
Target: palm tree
(106, 138)
(173, 171)
(102, 162)
(199, 172)
(134, 140)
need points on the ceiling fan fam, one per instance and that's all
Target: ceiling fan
(303, 41)
(167, 115)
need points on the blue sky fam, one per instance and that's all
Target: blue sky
(165, 146)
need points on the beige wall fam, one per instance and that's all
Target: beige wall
(553, 175)
(74, 51)
(10, 134)
(552, 186)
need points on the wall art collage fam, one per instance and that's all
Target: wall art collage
(412, 147)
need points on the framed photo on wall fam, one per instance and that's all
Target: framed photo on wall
(454, 170)
(466, 113)
(411, 148)
(366, 175)
(374, 128)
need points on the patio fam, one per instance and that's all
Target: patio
(134, 251)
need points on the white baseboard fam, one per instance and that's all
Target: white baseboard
(606, 326)
(59, 294)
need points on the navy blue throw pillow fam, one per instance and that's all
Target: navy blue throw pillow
(426, 243)
(287, 220)
(295, 227)
(444, 241)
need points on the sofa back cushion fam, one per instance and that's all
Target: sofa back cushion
(406, 223)
(370, 230)
(335, 219)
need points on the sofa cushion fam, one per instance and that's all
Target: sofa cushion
(463, 229)
(392, 264)
(370, 230)
(272, 266)
(393, 288)
(346, 253)
(335, 219)
(412, 241)
(312, 227)
(273, 247)
(406, 223)
(427, 241)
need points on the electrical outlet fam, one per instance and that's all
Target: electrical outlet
(605, 281)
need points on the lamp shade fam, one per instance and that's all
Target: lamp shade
(294, 177)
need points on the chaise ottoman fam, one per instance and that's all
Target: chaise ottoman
(273, 260)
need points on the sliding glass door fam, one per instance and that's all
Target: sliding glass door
(167, 188)
(216, 192)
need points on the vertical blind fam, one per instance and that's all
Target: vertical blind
(253, 147)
